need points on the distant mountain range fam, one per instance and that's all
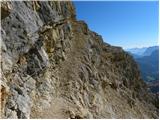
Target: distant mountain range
(148, 60)
(137, 51)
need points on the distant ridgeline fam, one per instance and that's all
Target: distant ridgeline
(148, 60)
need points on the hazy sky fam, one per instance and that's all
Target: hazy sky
(126, 24)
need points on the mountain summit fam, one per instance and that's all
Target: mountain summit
(53, 66)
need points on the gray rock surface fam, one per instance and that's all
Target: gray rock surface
(53, 66)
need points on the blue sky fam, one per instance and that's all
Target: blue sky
(122, 23)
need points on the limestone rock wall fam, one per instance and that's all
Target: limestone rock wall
(53, 66)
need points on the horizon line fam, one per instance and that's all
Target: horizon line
(139, 47)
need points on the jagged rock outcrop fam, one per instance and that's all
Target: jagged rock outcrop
(53, 66)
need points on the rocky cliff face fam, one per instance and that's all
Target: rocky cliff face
(53, 66)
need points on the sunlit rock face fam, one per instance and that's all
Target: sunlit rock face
(53, 66)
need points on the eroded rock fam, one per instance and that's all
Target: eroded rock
(54, 67)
